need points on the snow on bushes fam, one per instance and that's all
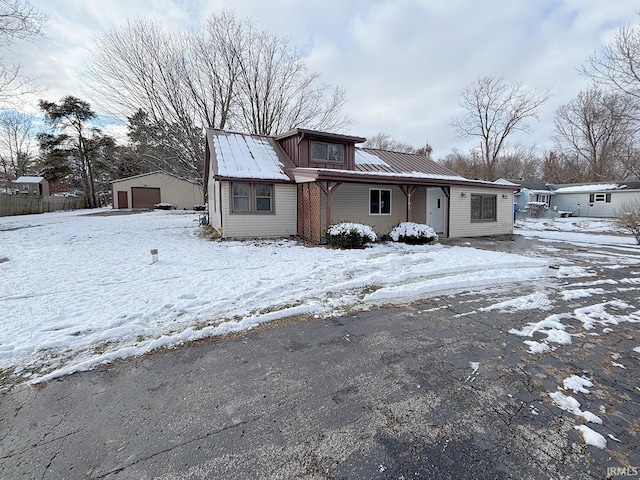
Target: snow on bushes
(350, 235)
(413, 233)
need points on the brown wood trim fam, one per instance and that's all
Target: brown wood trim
(408, 191)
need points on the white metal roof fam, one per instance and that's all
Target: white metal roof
(28, 179)
(245, 156)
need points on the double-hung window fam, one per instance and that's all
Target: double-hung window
(379, 201)
(251, 197)
(483, 208)
(600, 197)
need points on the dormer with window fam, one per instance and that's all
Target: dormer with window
(312, 149)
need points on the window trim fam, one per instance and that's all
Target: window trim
(600, 197)
(253, 199)
(380, 190)
(327, 159)
(495, 208)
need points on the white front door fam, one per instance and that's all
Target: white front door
(436, 209)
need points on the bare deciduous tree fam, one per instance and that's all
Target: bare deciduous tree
(230, 75)
(493, 111)
(558, 167)
(469, 166)
(18, 20)
(385, 141)
(618, 66)
(16, 142)
(519, 162)
(596, 128)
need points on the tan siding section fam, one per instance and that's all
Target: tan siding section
(350, 203)
(179, 193)
(460, 213)
(281, 224)
(419, 205)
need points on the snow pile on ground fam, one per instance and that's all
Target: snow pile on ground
(571, 405)
(80, 289)
(537, 300)
(577, 384)
(591, 437)
(601, 231)
(591, 317)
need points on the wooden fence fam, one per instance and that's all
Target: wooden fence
(27, 204)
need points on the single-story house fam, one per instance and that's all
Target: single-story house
(302, 181)
(531, 193)
(33, 185)
(594, 199)
(149, 189)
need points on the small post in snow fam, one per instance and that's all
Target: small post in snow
(154, 255)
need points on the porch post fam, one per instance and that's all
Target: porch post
(328, 190)
(408, 192)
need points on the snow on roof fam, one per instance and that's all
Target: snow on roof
(366, 158)
(414, 174)
(589, 188)
(27, 179)
(542, 192)
(245, 156)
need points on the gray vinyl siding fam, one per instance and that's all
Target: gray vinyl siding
(460, 224)
(350, 203)
(568, 202)
(282, 223)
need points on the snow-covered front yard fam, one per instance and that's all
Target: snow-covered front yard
(79, 289)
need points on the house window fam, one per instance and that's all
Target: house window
(483, 208)
(600, 197)
(251, 197)
(327, 152)
(543, 198)
(263, 197)
(379, 202)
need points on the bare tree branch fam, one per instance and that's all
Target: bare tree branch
(618, 66)
(19, 20)
(230, 75)
(598, 128)
(494, 111)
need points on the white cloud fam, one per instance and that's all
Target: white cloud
(402, 62)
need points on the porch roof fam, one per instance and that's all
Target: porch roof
(303, 175)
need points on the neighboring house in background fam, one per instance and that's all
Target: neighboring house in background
(594, 199)
(33, 186)
(533, 197)
(149, 189)
(302, 181)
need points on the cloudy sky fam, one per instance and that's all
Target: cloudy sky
(403, 63)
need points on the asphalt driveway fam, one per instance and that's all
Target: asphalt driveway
(435, 389)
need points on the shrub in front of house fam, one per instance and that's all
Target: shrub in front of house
(628, 217)
(413, 233)
(350, 235)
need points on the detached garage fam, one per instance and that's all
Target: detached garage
(149, 189)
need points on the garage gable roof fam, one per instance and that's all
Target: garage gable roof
(152, 173)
